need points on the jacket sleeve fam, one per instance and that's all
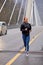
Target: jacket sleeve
(30, 27)
(22, 28)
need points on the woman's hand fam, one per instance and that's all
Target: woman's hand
(25, 29)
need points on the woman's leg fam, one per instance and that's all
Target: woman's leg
(24, 40)
(27, 42)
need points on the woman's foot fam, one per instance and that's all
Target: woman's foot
(27, 53)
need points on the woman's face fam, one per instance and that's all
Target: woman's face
(26, 20)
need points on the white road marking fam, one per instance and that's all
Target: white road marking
(2, 6)
(12, 12)
(31, 17)
(20, 11)
(28, 10)
(37, 17)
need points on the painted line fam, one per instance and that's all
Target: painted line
(37, 16)
(20, 11)
(18, 54)
(12, 13)
(2, 6)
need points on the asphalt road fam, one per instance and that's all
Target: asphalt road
(11, 43)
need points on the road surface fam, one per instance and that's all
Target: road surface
(11, 43)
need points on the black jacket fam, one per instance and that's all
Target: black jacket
(25, 28)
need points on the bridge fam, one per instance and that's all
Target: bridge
(11, 45)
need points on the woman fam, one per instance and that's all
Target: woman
(26, 29)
